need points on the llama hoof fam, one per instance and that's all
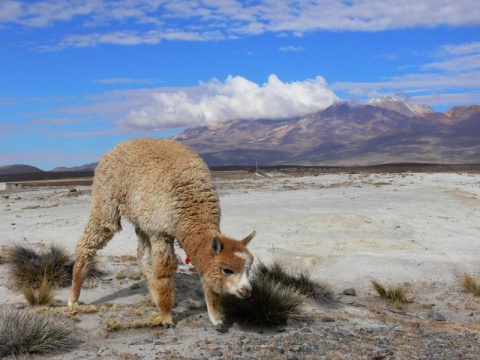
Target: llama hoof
(165, 322)
(221, 328)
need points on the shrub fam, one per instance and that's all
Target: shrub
(23, 332)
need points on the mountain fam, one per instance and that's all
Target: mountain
(381, 131)
(86, 167)
(18, 169)
(400, 106)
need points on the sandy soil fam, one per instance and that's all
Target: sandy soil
(420, 231)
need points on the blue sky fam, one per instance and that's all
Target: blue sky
(78, 77)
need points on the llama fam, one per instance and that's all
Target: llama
(165, 190)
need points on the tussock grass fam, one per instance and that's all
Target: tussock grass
(23, 332)
(396, 295)
(37, 274)
(270, 304)
(471, 284)
(43, 295)
(278, 294)
(297, 279)
(30, 268)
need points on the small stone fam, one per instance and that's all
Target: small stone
(349, 292)
(435, 315)
(328, 319)
(217, 353)
(305, 330)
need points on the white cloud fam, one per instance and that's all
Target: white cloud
(453, 75)
(195, 20)
(473, 47)
(291, 48)
(235, 98)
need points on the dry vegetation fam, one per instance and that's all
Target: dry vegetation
(471, 284)
(36, 274)
(278, 295)
(25, 332)
(396, 295)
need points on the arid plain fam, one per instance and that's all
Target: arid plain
(420, 231)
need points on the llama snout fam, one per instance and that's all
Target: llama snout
(245, 291)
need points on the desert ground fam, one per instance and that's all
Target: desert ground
(419, 231)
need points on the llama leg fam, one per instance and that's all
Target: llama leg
(144, 255)
(164, 264)
(96, 235)
(213, 306)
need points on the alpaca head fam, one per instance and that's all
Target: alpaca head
(228, 273)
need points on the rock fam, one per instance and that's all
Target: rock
(349, 292)
(328, 319)
(435, 315)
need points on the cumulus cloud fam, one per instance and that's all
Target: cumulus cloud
(235, 98)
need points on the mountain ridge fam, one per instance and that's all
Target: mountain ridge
(345, 134)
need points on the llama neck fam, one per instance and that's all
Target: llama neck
(196, 241)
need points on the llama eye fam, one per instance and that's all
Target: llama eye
(228, 272)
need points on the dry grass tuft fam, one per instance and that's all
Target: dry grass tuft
(43, 295)
(270, 304)
(126, 274)
(397, 295)
(296, 279)
(30, 268)
(278, 294)
(37, 274)
(23, 332)
(471, 284)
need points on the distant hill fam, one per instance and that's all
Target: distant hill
(86, 167)
(19, 169)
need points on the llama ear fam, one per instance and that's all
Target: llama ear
(217, 246)
(248, 238)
